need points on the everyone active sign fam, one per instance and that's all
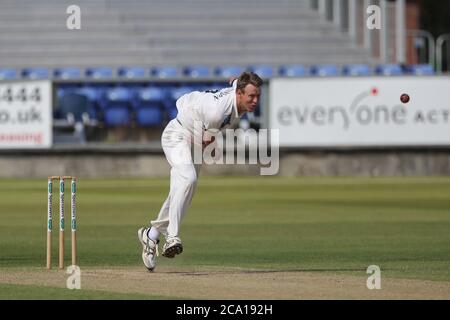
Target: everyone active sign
(361, 111)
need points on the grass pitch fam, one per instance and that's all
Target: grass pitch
(328, 225)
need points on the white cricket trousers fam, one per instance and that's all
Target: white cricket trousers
(176, 144)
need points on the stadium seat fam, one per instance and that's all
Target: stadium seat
(8, 73)
(151, 95)
(75, 106)
(132, 72)
(173, 96)
(292, 70)
(67, 73)
(172, 112)
(115, 106)
(388, 69)
(356, 70)
(149, 117)
(164, 72)
(148, 106)
(178, 92)
(62, 89)
(118, 96)
(148, 96)
(324, 70)
(420, 69)
(264, 71)
(229, 71)
(197, 71)
(74, 115)
(93, 93)
(36, 73)
(99, 73)
(117, 116)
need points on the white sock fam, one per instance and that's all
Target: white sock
(153, 234)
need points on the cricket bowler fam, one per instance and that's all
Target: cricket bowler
(221, 110)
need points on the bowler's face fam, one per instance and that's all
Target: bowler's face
(249, 98)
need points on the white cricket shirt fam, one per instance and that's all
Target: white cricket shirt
(214, 109)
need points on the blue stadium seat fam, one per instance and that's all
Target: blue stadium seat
(197, 71)
(149, 117)
(118, 96)
(132, 72)
(264, 71)
(94, 96)
(178, 92)
(93, 93)
(228, 71)
(99, 73)
(172, 112)
(164, 72)
(63, 89)
(292, 70)
(115, 106)
(148, 96)
(75, 104)
(173, 96)
(8, 73)
(67, 73)
(420, 69)
(388, 69)
(324, 70)
(73, 114)
(356, 70)
(149, 106)
(36, 73)
(117, 116)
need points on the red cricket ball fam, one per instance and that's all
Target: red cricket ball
(404, 98)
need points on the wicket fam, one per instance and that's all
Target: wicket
(61, 180)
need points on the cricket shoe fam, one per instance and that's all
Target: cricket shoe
(172, 247)
(149, 249)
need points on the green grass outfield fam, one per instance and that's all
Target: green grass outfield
(336, 225)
